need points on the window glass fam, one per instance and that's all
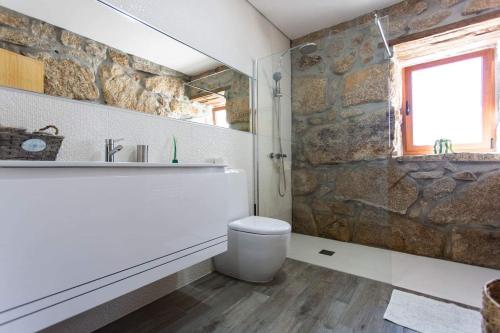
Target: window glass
(220, 118)
(447, 103)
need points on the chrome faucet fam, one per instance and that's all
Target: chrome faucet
(110, 149)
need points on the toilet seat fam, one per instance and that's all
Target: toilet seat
(260, 225)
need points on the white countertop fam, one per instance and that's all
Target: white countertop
(96, 164)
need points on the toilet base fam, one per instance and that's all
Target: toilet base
(252, 257)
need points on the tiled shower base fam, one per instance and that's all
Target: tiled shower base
(439, 278)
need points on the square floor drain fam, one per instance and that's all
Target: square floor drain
(327, 252)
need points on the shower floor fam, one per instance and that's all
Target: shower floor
(443, 279)
(302, 298)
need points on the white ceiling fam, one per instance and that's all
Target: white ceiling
(296, 18)
(99, 22)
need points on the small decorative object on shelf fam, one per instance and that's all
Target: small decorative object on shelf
(142, 153)
(491, 307)
(174, 160)
(443, 146)
(18, 144)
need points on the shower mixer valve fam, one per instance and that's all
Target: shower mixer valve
(277, 156)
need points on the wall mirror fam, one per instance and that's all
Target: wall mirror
(93, 52)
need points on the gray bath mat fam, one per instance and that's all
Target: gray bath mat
(427, 315)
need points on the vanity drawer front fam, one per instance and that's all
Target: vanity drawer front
(60, 233)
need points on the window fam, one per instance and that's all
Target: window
(453, 99)
(220, 117)
(217, 101)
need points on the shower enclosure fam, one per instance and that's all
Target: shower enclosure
(280, 156)
(312, 130)
(273, 142)
(274, 132)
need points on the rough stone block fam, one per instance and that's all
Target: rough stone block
(302, 218)
(333, 227)
(336, 47)
(69, 79)
(477, 203)
(450, 3)
(119, 88)
(96, 50)
(71, 39)
(478, 6)
(13, 20)
(119, 57)
(476, 246)
(377, 186)
(144, 65)
(18, 37)
(427, 174)
(439, 188)
(366, 51)
(465, 175)
(380, 228)
(360, 139)
(308, 95)
(306, 61)
(419, 8)
(166, 85)
(344, 64)
(304, 182)
(366, 85)
(428, 21)
(43, 30)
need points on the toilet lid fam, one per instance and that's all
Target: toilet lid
(260, 225)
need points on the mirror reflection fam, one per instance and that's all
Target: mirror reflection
(167, 80)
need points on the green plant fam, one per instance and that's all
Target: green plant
(443, 146)
(174, 160)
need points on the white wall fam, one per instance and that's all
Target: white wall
(231, 31)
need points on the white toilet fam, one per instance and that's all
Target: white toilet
(257, 246)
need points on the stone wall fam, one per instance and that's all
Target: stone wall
(79, 68)
(439, 209)
(346, 184)
(236, 88)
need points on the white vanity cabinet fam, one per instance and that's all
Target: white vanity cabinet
(76, 235)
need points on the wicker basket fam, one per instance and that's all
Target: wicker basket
(14, 144)
(491, 307)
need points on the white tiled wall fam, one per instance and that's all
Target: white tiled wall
(85, 126)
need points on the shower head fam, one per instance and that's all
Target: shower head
(277, 76)
(308, 48)
(304, 49)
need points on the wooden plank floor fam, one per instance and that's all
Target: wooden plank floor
(302, 298)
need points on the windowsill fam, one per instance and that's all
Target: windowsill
(455, 157)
